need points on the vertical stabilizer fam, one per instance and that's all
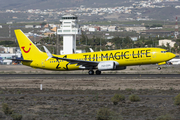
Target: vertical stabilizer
(28, 49)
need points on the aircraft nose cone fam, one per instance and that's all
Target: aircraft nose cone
(171, 55)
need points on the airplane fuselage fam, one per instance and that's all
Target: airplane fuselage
(125, 57)
(102, 60)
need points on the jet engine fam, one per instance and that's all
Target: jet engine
(110, 65)
(107, 65)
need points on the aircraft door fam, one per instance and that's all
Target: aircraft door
(43, 63)
(154, 53)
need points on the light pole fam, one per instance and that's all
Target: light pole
(100, 43)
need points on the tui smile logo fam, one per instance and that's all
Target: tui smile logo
(23, 48)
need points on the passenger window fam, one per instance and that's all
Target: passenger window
(163, 51)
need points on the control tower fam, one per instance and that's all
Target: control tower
(69, 29)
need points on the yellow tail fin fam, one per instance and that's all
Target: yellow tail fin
(28, 49)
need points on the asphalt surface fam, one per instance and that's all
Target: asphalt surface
(88, 95)
(29, 76)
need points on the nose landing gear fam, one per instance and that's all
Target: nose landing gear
(159, 68)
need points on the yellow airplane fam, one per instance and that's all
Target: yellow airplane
(101, 61)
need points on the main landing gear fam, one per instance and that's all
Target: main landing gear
(98, 72)
(159, 68)
(91, 72)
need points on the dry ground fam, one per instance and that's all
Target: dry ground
(81, 98)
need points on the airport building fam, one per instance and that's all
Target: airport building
(8, 53)
(69, 28)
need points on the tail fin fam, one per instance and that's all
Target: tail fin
(28, 49)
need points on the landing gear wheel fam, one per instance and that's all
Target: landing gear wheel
(98, 72)
(91, 72)
(159, 68)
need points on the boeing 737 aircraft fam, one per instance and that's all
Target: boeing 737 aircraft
(100, 61)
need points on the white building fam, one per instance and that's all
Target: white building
(110, 37)
(92, 29)
(77, 51)
(10, 49)
(69, 29)
(104, 28)
(156, 28)
(112, 28)
(85, 28)
(134, 38)
(9, 53)
(177, 7)
(165, 41)
(29, 26)
(134, 28)
(38, 26)
(45, 30)
(9, 23)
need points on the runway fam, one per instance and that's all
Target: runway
(67, 76)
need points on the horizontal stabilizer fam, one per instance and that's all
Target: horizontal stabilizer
(21, 60)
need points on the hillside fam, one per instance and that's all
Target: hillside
(51, 4)
(169, 12)
(162, 13)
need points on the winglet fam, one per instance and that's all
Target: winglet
(91, 49)
(48, 53)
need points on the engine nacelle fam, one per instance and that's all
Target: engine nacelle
(107, 65)
(120, 67)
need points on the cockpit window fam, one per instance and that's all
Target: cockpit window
(163, 51)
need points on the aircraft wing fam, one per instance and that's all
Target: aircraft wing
(78, 62)
(71, 61)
